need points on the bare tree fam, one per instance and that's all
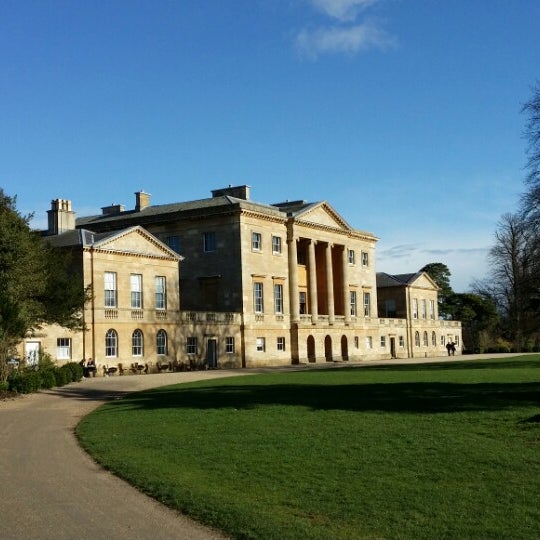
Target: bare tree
(514, 276)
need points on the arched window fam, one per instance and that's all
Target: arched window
(434, 339)
(137, 343)
(111, 344)
(426, 342)
(161, 342)
(417, 339)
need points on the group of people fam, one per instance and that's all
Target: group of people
(89, 367)
(451, 348)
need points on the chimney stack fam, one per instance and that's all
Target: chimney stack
(142, 200)
(60, 217)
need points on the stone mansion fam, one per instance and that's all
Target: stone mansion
(229, 282)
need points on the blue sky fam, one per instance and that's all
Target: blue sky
(403, 115)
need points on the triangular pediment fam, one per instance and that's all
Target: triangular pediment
(323, 214)
(423, 281)
(135, 240)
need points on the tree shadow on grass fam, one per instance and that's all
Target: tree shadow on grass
(421, 397)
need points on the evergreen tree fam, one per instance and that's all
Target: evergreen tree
(37, 285)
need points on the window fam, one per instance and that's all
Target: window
(383, 342)
(390, 308)
(137, 343)
(161, 342)
(229, 345)
(367, 304)
(434, 339)
(350, 256)
(352, 296)
(426, 341)
(432, 309)
(258, 297)
(424, 311)
(456, 340)
(276, 244)
(401, 341)
(136, 291)
(417, 339)
(356, 342)
(256, 241)
(369, 342)
(110, 289)
(443, 341)
(280, 343)
(278, 298)
(173, 242)
(63, 348)
(111, 344)
(415, 308)
(161, 296)
(302, 302)
(365, 258)
(191, 345)
(209, 241)
(261, 345)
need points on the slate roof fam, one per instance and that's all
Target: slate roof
(209, 206)
(78, 237)
(397, 280)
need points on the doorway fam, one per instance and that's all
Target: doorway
(211, 353)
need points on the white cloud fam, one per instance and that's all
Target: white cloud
(343, 10)
(341, 39)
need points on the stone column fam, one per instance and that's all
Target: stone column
(330, 284)
(345, 277)
(313, 299)
(293, 280)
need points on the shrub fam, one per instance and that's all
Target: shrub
(76, 371)
(62, 375)
(48, 380)
(4, 386)
(25, 382)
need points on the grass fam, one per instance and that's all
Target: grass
(449, 450)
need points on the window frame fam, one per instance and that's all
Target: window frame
(161, 342)
(137, 343)
(258, 297)
(209, 241)
(160, 296)
(192, 346)
(63, 348)
(276, 245)
(256, 241)
(110, 289)
(136, 291)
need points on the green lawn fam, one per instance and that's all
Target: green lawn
(449, 450)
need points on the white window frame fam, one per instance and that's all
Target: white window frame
(260, 344)
(432, 309)
(137, 343)
(302, 302)
(63, 348)
(110, 290)
(111, 343)
(278, 298)
(136, 291)
(161, 292)
(256, 241)
(367, 304)
(365, 258)
(415, 308)
(161, 342)
(258, 297)
(276, 245)
(369, 342)
(280, 343)
(352, 303)
(383, 342)
(423, 309)
(351, 256)
(229, 345)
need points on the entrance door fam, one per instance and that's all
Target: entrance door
(211, 353)
(393, 347)
(31, 353)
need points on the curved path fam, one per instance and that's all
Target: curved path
(50, 489)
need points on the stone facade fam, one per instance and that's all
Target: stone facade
(258, 285)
